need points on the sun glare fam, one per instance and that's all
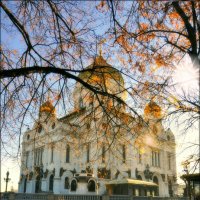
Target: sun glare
(185, 75)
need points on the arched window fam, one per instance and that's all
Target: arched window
(168, 137)
(38, 185)
(123, 153)
(39, 129)
(73, 185)
(103, 154)
(80, 102)
(25, 181)
(28, 137)
(53, 125)
(170, 189)
(66, 183)
(155, 180)
(91, 186)
(52, 153)
(67, 154)
(51, 180)
(88, 152)
(155, 156)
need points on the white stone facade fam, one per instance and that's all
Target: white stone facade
(76, 149)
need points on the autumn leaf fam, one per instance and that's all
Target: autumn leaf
(159, 61)
(143, 27)
(102, 7)
(174, 15)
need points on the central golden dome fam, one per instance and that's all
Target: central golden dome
(103, 77)
(101, 70)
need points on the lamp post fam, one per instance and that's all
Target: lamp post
(7, 179)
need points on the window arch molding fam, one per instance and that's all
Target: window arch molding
(64, 175)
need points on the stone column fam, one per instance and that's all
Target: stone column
(20, 187)
(32, 186)
(95, 169)
(57, 187)
(44, 185)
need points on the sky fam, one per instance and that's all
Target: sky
(185, 77)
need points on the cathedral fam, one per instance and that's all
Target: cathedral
(99, 147)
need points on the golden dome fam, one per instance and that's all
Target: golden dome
(153, 109)
(101, 70)
(103, 77)
(47, 107)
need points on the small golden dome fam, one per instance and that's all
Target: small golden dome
(153, 109)
(47, 107)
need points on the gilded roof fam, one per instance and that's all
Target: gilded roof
(100, 68)
(47, 107)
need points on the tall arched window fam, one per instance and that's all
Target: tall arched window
(28, 137)
(170, 189)
(51, 180)
(91, 186)
(155, 180)
(52, 153)
(38, 185)
(123, 153)
(80, 102)
(103, 154)
(25, 181)
(67, 154)
(66, 183)
(88, 152)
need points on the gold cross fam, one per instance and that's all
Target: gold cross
(102, 41)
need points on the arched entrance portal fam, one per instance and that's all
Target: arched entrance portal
(155, 180)
(91, 186)
(73, 185)
(38, 184)
(51, 180)
(170, 189)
